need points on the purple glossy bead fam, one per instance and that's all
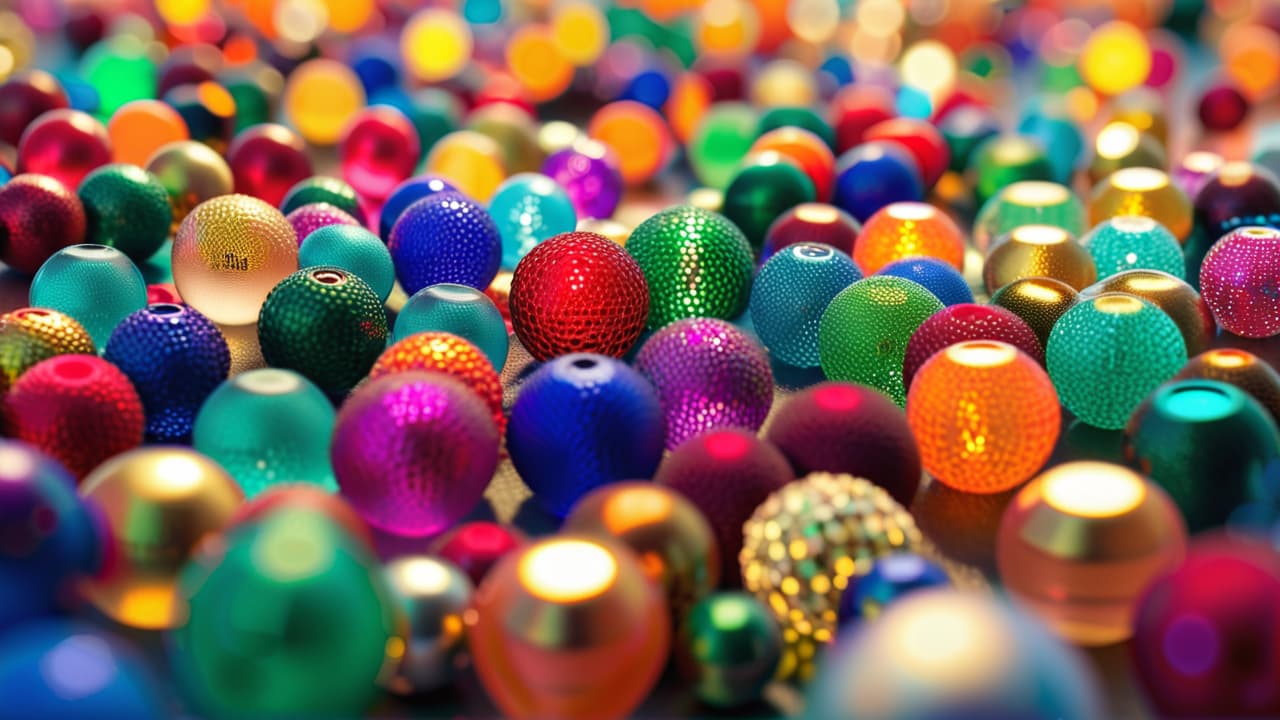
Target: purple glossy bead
(313, 216)
(708, 374)
(589, 173)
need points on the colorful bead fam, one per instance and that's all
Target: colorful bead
(95, 284)
(964, 322)
(379, 149)
(766, 186)
(65, 145)
(308, 218)
(267, 160)
(39, 216)
(353, 249)
(406, 194)
(1038, 251)
(1133, 243)
(908, 229)
(1174, 297)
(735, 647)
(873, 175)
(589, 174)
(29, 335)
(321, 189)
(1142, 191)
(458, 310)
(1039, 301)
(811, 223)
(529, 208)
(432, 594)
(789, 295)
(191, 173)
(1238, 278)
(1030, 202)
(477, 547)
(445, 237)
(127, 208)
(938, 277)
(449, 354)
(1240, 368)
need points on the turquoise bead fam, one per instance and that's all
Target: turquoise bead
(353, 249)
(529, 208)
(1133, 242)
(460, 310)
(97, 285)
(790, 294)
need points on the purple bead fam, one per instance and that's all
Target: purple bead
(313, 216)
(405, 194)
(708, 374)
(589, 173)
(413, 452)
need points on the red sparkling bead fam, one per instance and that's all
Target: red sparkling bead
(925, 143)
(967, 321)
(379, 149)
(578, 292)
(64, 144)
(475, 547)
(38, 217)
(25, 96)
(449, 354)
(267, 160)
(811, 223)
(856, 108)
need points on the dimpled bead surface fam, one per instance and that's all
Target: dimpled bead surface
(38, 217)
(1133, 243)
(944, 281)
(327, 324)
(578, 292)
(229, 253)
(529, 208)
(445, 237)
(1108, 352)
(695, 262)
(449, 354)
(413, 452)
(708, 374)
(95, 284)
(313, 216)
(1175, 297)
(459, 310)
(1038, 251)
(1039, 301)
(582, 421)
(959, 323)
(353, 249)
(864, 332)
(321, 189)
(789, 295)
(1239, 279)
(908, 229)
(29, 335)
(127, 208)
(1030, 202)
(175, 357)
(405, 194)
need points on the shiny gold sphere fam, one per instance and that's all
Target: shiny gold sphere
(1038, 251)
(191, 172)
(1039, 301)
(1121, 145)
(29, 335)
(1145, 110)
(1080, 543)
(158, 503)
(433, 595)
(1240, 368)
(806, 541)
(674, 542)
(1142, 191)
(1175, 297)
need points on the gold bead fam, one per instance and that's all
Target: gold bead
(1142, 191)
(1175, 297)
(1039, 251)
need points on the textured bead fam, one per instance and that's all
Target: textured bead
(1133, 243)
(874, 175)
(459, 310)
(448, 354)
(321, 189)
(38, 217)
(528, 209)
(405, 194)
(767, 185)
(1142, 191)
(29, 335)
(127, 208)
(959, 323)
(944, 281)
(353, 249)
(95, 284)
(1038, 251)
(811, 223)
(1039, 301)
(1239, 278)
(908, 229)
(313, 216)
(445, 237)
(1235, 367)
(1031, 202)
(789, 295)
(1175, 297)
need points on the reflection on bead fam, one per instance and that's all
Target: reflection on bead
(29, 335)
(1236, 367)
(353, 249)
(811, 223)
(944, 281)
(908, 229)
(1133, 243)
(529, 208)
(1142, 191)
(95, 284)
(959, 323)
(445, 237)
(1238, 279)
(38, 216)
(1039, 301)
(1175, 297)
(432, 351)
(1038, 251)
(890, 578)
(1031, 202)
(789, 295)
(733, 646)
(433, 595)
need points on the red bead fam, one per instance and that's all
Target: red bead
(379, 149)
(64, 144)
(925, 143)
(811, 223)
(304, 495)
(38, 217)
(25, 96)
(968, 321)
(856, 108)
(475, 547)
(267, 160)
(1223, 107)
(724, 75)
(163, 293)
(449, 354)
(578, 292)
(79, 409)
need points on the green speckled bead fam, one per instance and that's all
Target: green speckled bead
(733, 646)
(325, 323)
(1007, 159)
(863, 334)
(697, 264)
(126, 207)
(1134, 242)
(326, 190)
(761, 191)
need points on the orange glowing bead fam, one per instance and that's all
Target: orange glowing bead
(535, 61)
(638, 136)
(808, 151)
(1251, 56)
(471, 161)
(726, 27)
(140, 128)
(690, 98)
(908, 229)
(1142, 191)
(984, 415)
(446, 353)
(320, 98)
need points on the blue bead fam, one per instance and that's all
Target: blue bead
(790, 294)
(353, 249)
(874, 174)
(460, 310)
(650, 87)
(582, 421)
(376, 62)
(405, 194)
(175, 357)
(890, 577)
(97, 285)
(529, 208)
(839, 68)
(945, 282)
(445, 238)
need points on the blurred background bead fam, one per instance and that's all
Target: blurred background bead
(588, 172)
(417, 474)
(1175, 297)
(127, 208)
(191, 173)
(141, 127)
(458, 310)
(1081, 542)
(229, 253)
(1239, 195)
(29, 335)
(379, 149)
(515, 129)
(963, 322)
(26, 95)
(445, 237)
(1005, 160)
(808, 151)
(964, 129)
(1237, 278)
(609, 636)
(64, 144)
(38, 216)
(268, 427)
(207, 109)
(908, 229)
(1030, 202)
(175, 357)
(873, 175)
(922, 140)
(638, 137)
(266, 160)
(307, 496)
(433, 595)
(321, 189)
(721, 139)
(1144, 109)
(938, 277)
(856, 108)
(528, 209)
(732, 647)
(320, 97)
(1142, 191)
(352, 249)
(891, 578)
(1133, 243)
(1222, 107)
(1050, 122)
(432, 351)
(95, 284)
(1234, 367)
(788, 297)
(1195, 170)
(1120, 145)
(811, 223)
(158, 504)
(406, 194)
(765, 186)
(308, 218)
(1038, 251)
(477, 547)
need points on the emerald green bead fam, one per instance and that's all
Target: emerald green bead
(325, 323)
(120, 69)
(126, 207)
(1134, 242)
(1007, 159)
(720, 141)
(1029, 202)
(733, 646)
(801, 117)
(696, 262)
(255, 89)
(762, 191)
(321, 189)
(863, 334)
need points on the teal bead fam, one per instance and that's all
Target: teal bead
(353, 249)
(126, 207)
(733, 647)
(529, 208)
(322, 189)
(1107, 353)
(1048, 122)
(268, 427)
(97, 285)
(761, 191)
(790, 294)
(1134, 242)
(459, 310)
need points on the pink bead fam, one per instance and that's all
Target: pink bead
(379, 150)
(1240, 282)
(64, 144)
(313, 216)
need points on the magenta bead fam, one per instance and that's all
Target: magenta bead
(708, 374)
(267, 160)
(413, 452)
(379, 149)
(1239, 281)
(589, 173)
(64, 144)
(313, 216)
(1222, 107)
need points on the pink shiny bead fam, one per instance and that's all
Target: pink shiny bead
(64, 144)
(313, 216)
(267, 160)
(475, 547)
(379, 149)
(1240, 282)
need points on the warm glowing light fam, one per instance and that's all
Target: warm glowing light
(727, 26)
(1117, 140)
(937, 647)
(1035, 193)
(320, 98)
(1116, 58)
(929, 66)
(817, 213)
(1118, 304)
(635, 507)
(175, 476)
(567, 570)
(435, 44)
(148, 605)
(880, 17)
(1091, 489)
(1153, 283)
(1139, 179)
(912, 211)
(1216, 358)
(423, 575)
(182, 12)
(348, 15)
(1133, 223)
(300, 21)
(731, 613)
(1233, 174)
(1202, 162)
(813, 21)
(982, 353)
(535, 61)
(15, 464)
(1040, 235)
(294, 544)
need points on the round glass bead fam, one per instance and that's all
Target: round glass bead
(1239, 278)
(1132, 242)
(790, 294)
(873, 175)
(529, 208)
(589, 174)
(97, 285)
(458, 310)
(321, 189)
(766, 186)
(353, 249)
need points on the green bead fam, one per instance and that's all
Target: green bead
(734, 647)
(697, 264)
(266, 427)
(353, 249)
(1208, 444)
(289, 617)
(126, 208)
(720, 141)
(1007, 159)
(863, 334)
(327, 324)
(120, 70)
(458, 310)
(96, 285)
(255, 90)
(801, 117)
(1107, 353)
(1134, 242)
(435, 113)
(762, 191)
(323, 189)
(1029, 202)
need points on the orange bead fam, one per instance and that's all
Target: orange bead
(984, 415)
(450, 354)
(807, 150)
(908, 229)
(535, 61)
(637, 134)
(140, 128)
(689, 100)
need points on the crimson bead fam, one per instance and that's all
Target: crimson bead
(65, 145)
(25, 96)
(267, 160)
(475, 547)
(38, 217)
(379, 149)
(968, 321)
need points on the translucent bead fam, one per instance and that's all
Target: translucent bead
(97, 285)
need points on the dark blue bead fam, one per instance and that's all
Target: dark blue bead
(890, 578)
(445, 238)
(945, 282)
(873, 175)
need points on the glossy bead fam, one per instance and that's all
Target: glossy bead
(695, 262)
(448, 354)
(445, 237)
(379, 149)
(964, 129)
(458, 310)
(477, 547)
(472, 162)
(1208, 444)
(64, 144)
(321, 189)
(353, 249)
(95, 284)
(721, 139)
(415, 474)
(856, 108)
(1133, 243)
(568, 627)
(528, 209)
(638, 136)
(1142, 191)
(325, 323)
(300, 495)
(38, 217)
(229, 253)
(963, 322)
(515, 130)
(141, 127)
(1195, 170)
(191, 172)
(1005, 160)
(890, 578)
(908, 229)
(1108, 352)
(267, 160)
(406, 194)
(733, 647)
(1222, 107)
(1030, 202)
(313, 216)
(864, 331)
(175, 357)
(588, 172)
(809, 152)
(873, 175)
(1175, 297)
(1038, 251)
(578, 292)
(1235, 367)
(267, 427)
(927, 146)
(320, 98)
(1237, 279)
(157, 504)
(432, 594)
(789, 295)
(1039, 301)
(811, 223)
(127, 208)
(1120, 145)
(1239, 195)
(767, 185)
(24, 96)
(29, 335)
(1050, 122)
(708, 374)
(938, 277)
(207, 109)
